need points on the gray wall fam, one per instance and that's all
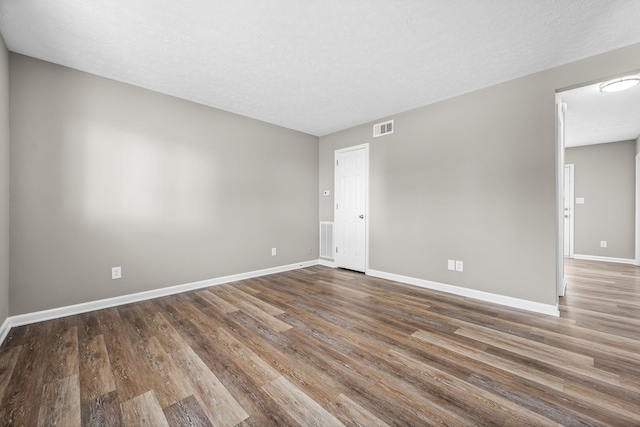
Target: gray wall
(105, 174)
(604, 176)
(4, 182)
(471, 178)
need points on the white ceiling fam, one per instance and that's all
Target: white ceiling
(594, 117)
(316, 66)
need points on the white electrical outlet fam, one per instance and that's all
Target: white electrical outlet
(603, 243)
(459, 266)
(116, 273)
(273, 251)
(451, 264)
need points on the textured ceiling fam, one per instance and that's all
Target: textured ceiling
(593, 117)
(316, 66)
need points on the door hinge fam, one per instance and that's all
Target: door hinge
(336, 249)
(337, 162)
(336, 206)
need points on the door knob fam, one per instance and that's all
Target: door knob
(361, 216)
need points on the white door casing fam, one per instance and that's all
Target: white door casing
(560, 279)
(350, 214)
(568, 210)
(637, 245)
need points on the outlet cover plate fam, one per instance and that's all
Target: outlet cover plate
(451, 265)
(116, 273)
(273, 252)
(459, 266)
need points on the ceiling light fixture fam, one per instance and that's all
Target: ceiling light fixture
(619, 84)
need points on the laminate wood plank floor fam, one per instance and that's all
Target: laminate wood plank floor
(326, 347)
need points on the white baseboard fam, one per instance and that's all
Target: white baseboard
(4, 329)
(326, 263)
(537, 307)
(605, 259)
(55, 313)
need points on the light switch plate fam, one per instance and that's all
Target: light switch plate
(451, 265)
(579, 200)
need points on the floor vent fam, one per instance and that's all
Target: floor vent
(326, 239)
(382, 129)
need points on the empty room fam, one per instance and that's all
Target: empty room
(218, 213)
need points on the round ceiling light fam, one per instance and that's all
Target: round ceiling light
(619, 84)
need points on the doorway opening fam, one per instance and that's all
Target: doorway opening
(598, 176)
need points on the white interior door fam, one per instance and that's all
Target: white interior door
(568, 210)
(350, 216)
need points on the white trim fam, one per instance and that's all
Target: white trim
(637, 248)
(327, 263)
(605, 259)
(54, 313)
(4, 329)
(560, 110)
(551, 310)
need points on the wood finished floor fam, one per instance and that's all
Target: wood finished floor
(328, 347)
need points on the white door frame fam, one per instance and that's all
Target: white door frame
(638, 209)
(560, 280)
(570, 195)
(366, 189)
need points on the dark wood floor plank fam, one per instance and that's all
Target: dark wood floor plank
(121, 356)
(351, 414)
(160, 373)
(60, 403)
(8, 360)
(143, 410)
(301, 407)
(218, 405)
(102, 411)
(249, 298)
(291, 358)
(532, 373)
(216, 301)
(186, 413)
(254, 310)
(23, 395)
(96, 375)
(62, 360)
(258, 405)
(471, 400)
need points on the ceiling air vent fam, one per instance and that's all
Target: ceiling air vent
(382, 129)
